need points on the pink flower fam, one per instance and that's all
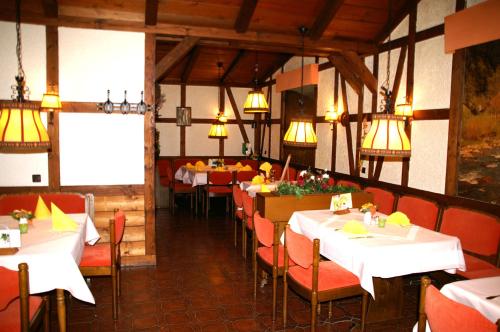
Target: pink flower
(331, 182)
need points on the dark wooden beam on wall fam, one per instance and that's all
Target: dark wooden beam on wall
(324, 18)
(358, 66)
(343, 67)
(334, 127)
(182, 150)
(456, 101)
(237, 115)
(195, 52)
(279, 64)
(151, 12)
(231, 66)
(50, 8)
(52, 81)
(174, 56)
(422, 35)
(394, 20)
(245, 15)
(149, 145)
(371, 159)
(359, 128)
(348, 127)
(222, 106)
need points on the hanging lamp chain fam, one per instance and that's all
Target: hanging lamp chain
(20, 70)
(303, 31)
(386, 104)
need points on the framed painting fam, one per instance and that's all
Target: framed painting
(183, 116)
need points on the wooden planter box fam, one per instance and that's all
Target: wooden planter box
(281, 207)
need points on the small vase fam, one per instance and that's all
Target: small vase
(23, 225)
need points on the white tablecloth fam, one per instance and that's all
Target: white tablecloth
(196, 178)
(253, 189)
(53, 257)
(384, 252)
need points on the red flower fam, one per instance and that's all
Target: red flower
(331, 182)
(300, 181)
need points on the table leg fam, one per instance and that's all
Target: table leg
(61, 309)
(389, 298)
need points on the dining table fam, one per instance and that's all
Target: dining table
(382, 255)
(197, 176)
(53, 258)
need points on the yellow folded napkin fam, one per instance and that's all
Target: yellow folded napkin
(41, 210)
(354, 227)
(238, 165)
(220, 169)
(199, 163)
(266, 167)
(398, 218)
(264, 188)
(189, 165)
(245, 168)
(61, 221)
(258, 179)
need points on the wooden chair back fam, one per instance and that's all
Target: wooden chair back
(245, 175)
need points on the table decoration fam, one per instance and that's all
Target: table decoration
(61, 221)
(398, 218)
(311, 184)
(41, 210)
(10, 237)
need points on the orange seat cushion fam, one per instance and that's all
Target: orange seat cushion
(330, 276)
(266, 254)
(478, 268)
(96, 255)
(10, 318)
(264, 229)
(444, 314)
(9, 286)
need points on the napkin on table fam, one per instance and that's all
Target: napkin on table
(41, 210)
(189, 165)
(238, 165)
(61, 221)
(266, 167)
(398, 218)
(258, 179)
(264, 188)
(245, 168)
(354, 227)
(199, 163)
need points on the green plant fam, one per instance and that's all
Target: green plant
(312, 185)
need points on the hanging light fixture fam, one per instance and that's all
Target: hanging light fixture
(387, 136)
(256, 101)
(301, 131)
(333, 115)
(51, 101)
(404, 109)
(21, 129)
(218, 127)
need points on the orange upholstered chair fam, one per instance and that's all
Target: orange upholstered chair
(292, 174)
(18, 310)
(278, 169)
(446, 315)
(421, 212)
(178, 187)
(67, 202)
(314, 280)
(237, 209)
(245, 176)
(165, 172)
(247, 223)
(268, 253)
(479, 234)
(253, 163)
(219, 184)
(103, 259)
(384, 199)
(347, 183)
(229, 161)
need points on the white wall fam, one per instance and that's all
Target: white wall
(95, 149)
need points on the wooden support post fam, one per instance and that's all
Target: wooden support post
(371, 159)
(237, 115)
(257, 133)
(52, 82)
(334, 127)
(149, 146)
(359, 128)
(347, 128)
(222, 106)
(183, 128)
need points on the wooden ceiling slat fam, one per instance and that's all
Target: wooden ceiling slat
(394, 21)
(195, 52)
(231, 66)
(326, 15)
(175, 55)
(245, 15)
(151, 12)
(51, 8)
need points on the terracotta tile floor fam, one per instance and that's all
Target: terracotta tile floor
(201, 283)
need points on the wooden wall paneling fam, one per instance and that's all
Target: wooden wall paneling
(222, 107)
(371, 159)
(359, 128)
(456, 100)
(410, 70)
(348, 127)
(114, 190)
(52, 82)
(50, 8)
(174, 56)
(237, 115)
(149, 145)
(334, 126)
(182, 140)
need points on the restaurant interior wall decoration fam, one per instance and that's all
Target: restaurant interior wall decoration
(479, 169)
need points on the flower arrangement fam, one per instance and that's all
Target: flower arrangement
(18, 214)
(309, 183)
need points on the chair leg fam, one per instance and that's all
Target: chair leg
(285, 298)
(243, 239)
(314, 312)
(235, 231)
(364, 309)
(207, 207)
(118, 281)
(46, 318)
(330, 310)
(275, 286)
(114, 292)
(254, 257)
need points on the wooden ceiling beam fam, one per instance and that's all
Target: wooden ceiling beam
(361, 70)
(174, 56)
(50, 8)
(245, 15)
(284, 59)
(394, 21)
(324, 18)
(343, 67)
(231, 66)
(151, 12)
(195, 53)
(264, 38)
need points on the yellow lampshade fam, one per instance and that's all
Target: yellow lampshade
(217, 130)
(51, 102)
(387, 137)
(21, 129)
(404, 109)
(256, 102)
(301, 134)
